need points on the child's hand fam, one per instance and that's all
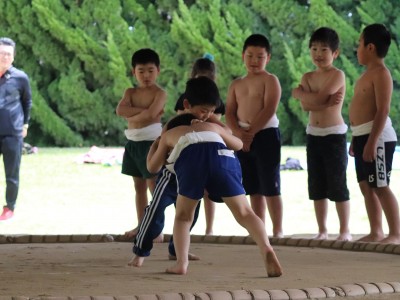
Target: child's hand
(296, 92)
(195, 121)
(336, 98)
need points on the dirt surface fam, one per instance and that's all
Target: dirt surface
(100, 269)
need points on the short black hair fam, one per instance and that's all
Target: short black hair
(145, 56)
(257, 40)
(202, 91)
(378, 35)
(180, 120)
(326, 36)
(204, 66)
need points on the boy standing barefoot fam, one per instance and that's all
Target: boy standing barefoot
(142, 107)
(321, 93)
(374, 138)
(251, 115)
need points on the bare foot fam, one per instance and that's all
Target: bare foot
(272, 265)
(131, 233)
(159, 239)
(371, 238)
(321, 236)
(136, 261)
(177, 269)
(209, 232)
(190, 256)
(390, 240)
(344, 237)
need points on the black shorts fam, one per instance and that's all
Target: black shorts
(376, 173)
(327, 166)
(261, 165)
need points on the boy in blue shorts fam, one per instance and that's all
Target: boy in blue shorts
(165, 192)
(374, 139)
(251, 107)
(218, 171)
(142, 107)
(321, 93)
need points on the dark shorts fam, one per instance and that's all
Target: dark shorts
(209, 166)
(376, 173)
(134, 160)
(327, 165)
(261, 165)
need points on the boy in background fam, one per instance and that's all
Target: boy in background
(374, 139)
(251, 107)
(321, 93)
(142, 107)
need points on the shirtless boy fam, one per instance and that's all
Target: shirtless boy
(321, 93)
(142, 107)
(374, 139)
(251, 107)
(217, 170)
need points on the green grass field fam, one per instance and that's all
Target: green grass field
(59, 196)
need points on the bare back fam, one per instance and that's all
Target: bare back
(325, 82)
(373, 89)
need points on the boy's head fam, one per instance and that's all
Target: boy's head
(378, 36)
(201, 97)
(181, 120)
(324, 47)
(203, 67)
(325, 36)
(256, 53)
(145, 66)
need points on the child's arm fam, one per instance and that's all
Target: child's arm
(272, 96)
(125, 108)
(231, 141)
(216, 120)
(383, 87)
(231, 111)
(329, 94)
(157, 155)
(154, 111)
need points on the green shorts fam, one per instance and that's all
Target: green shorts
(134, 160)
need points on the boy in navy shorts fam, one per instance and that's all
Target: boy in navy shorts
(251, 107)
(374, 138)
(165, 192)
(218, 171)
(321, 93)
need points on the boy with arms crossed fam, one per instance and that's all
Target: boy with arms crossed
(165, 192)
(251, 107)
(321, 93)
(374, 139)
(218, 171)
(142, 107)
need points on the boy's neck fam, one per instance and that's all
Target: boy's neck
(378, 62)
(325, 69)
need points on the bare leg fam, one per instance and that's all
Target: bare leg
(184, 215)
(374, 212)
(275, 208)
(209, 209)
(391, 209)
(256, 228)
(343, 211)
(321, 213)
(259, 205)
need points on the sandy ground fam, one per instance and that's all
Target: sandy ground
(100, 269)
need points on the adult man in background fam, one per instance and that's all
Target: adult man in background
(15, 106)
